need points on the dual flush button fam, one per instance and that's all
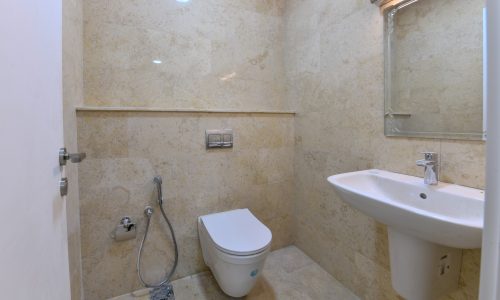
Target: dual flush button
(222, 138)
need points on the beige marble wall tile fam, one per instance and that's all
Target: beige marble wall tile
(334, 70)
(214, 54)
(322, 58)
(126, 150)
(73, 96)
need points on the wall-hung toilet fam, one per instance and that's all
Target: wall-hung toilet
(235, 245)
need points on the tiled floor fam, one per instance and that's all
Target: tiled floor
(288, 274)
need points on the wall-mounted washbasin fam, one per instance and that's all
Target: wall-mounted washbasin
(427, 224)
(445, 214)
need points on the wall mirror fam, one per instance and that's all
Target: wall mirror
(434, 69)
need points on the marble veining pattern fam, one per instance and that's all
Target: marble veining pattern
(200, 54)
(335, 84)
(321, 58)
(126, 150)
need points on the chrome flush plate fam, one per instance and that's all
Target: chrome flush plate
(220, 138)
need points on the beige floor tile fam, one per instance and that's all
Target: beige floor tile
(288, 274)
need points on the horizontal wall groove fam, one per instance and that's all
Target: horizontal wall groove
(179, 110)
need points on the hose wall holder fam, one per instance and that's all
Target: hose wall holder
(125, 230)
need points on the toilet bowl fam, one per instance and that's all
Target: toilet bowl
(235, 245)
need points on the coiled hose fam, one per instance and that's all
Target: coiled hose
(149, 213)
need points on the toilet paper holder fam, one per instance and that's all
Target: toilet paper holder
(126, 230)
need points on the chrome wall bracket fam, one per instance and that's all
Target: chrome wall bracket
(126, 230)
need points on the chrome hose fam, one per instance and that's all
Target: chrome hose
(149, 213)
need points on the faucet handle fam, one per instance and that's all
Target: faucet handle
(431, 156)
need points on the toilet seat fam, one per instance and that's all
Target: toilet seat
(237, 232)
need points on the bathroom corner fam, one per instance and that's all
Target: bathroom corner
(335, 79)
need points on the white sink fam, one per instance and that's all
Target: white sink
(444, 214)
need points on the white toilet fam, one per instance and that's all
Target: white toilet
(235, 245)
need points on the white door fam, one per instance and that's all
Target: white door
(33, 240)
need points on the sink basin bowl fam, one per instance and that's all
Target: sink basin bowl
(444, 214)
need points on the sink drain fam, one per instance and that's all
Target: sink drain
(423, 196)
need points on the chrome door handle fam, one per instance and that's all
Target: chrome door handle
(73, 157)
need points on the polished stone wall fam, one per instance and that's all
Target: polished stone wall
(335, 72)
(126, 150)
(205, 55)
(214, 54)
(322, 58)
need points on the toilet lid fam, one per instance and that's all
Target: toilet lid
(237, 232)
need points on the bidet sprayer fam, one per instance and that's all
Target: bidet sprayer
(159, 182)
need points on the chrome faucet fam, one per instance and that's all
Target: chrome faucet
(431, 167)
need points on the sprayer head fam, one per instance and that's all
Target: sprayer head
(158, 182)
